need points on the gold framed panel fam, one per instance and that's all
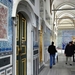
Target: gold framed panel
(17, 27)
(41, 38)
(23, 29)
(17, 49)
(24, 66)
(17, 67)
(23, 50)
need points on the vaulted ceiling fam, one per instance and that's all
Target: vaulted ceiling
(64, 13)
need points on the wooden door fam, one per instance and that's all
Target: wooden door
(21, 46)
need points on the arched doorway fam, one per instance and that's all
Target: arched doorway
(24, 46)
(21, 45)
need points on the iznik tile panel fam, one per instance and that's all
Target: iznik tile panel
(64, 36)
(6, 25)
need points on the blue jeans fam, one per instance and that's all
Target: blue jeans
(52, 59)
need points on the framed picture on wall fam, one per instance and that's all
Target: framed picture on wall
(2, 72)
(3, 22)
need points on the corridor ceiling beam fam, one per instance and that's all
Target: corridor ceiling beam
(65, 23)
(66, 18)
(63, 9)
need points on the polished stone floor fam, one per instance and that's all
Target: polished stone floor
(60, 68)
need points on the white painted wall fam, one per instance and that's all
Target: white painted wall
(29, 50)
(47, 6)
(35, 7)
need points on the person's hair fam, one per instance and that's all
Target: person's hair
(52, 42)
(70, 42)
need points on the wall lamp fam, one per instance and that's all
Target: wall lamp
(15, 20)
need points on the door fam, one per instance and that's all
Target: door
(21, 46)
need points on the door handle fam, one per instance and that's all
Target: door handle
(20, 50)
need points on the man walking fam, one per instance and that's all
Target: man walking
(52, 51)
(69, 51)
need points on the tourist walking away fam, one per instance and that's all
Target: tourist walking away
(69, 51)
(52, 50)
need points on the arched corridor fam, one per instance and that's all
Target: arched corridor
(60, 68)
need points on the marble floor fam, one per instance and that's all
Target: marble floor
(60, 68)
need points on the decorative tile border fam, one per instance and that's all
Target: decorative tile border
(2, 72)
(9, 71)
(5, 49)
(5, 53)
(8, 56)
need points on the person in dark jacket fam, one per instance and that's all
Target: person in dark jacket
(74, 50)
(52, 51)
(69, 51)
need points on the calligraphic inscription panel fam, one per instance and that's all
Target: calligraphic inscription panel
(3, 21)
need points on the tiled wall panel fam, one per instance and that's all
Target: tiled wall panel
(6, 44)
(64, 36)
(6, 31)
